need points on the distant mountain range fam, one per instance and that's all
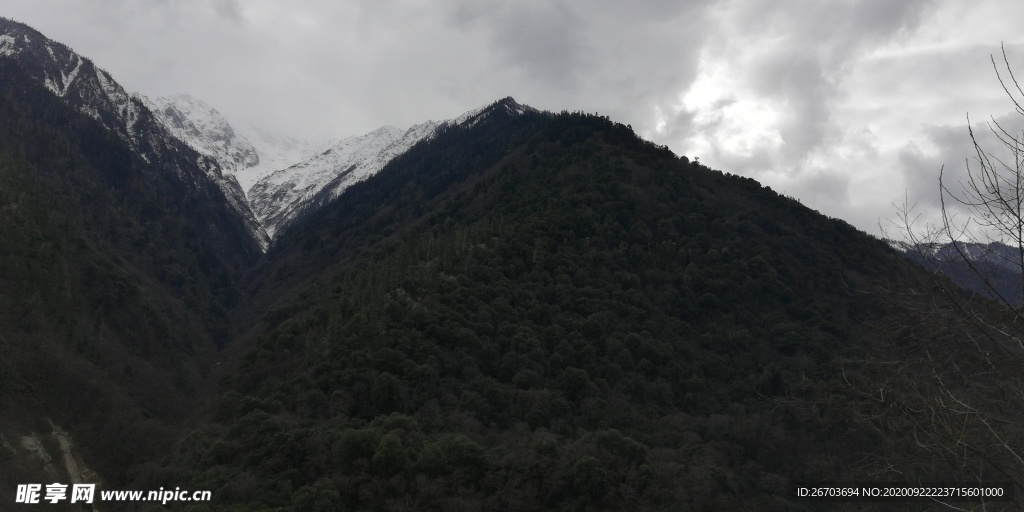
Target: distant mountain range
(992, 269)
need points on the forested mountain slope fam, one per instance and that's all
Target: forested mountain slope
(116, 276)
(522, 311)
(544, 312)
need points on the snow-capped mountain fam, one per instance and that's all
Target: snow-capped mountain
(76, 79)
(92, 91)
(277, 152)
(993, 269)
(247, 153)
(282, 196)
(268, 180)
(203, 128)
(996, 254)
(284, 177)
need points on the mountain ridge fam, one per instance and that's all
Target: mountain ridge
(116, 274)
(91, 90)
(992, 269)
(520, 311)
(287, 194)
(279, 196)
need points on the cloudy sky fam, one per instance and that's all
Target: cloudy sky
(849, 106)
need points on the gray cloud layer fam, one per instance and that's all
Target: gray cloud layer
(844, 104)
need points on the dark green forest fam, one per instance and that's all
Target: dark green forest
(113, 295)
(537, 312)
(548, 313)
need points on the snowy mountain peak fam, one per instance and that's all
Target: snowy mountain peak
(285, 194)
(93, 92)
(269, 180)
(511, 106)
(507, 105)
(202, 127)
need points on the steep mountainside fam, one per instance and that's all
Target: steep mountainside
(544, 312)
(512, 310)
(203, 128)
(119, 261)
(92, 91)
(247, 154)
(286, 179)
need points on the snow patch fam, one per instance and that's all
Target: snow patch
(113, 92)
(7, 46)
(61, 89)
(70, 77)
(52, 86)
(121, 103)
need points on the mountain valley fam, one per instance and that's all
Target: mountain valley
(509, 310)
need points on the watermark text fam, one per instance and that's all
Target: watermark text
(86, 493)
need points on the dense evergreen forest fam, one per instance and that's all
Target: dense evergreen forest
(113, 295)
(548, 313)
(535, 312)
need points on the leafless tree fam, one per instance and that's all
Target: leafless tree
(954, 377)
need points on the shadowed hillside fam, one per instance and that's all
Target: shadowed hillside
(524, 311)
(116, 277)
(546, 312)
